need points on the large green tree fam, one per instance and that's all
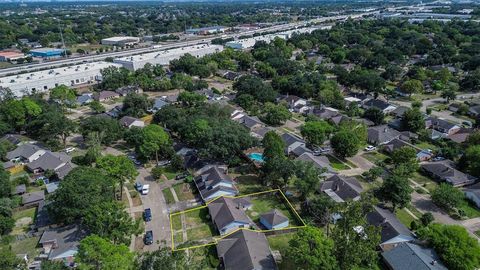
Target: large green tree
(345, 143)
(109, 129)
(396, 190)
(120, 168)
(96, 253)
(155, 142)
(447, 196)
(163, 258)
(316, 132)
(273, 146)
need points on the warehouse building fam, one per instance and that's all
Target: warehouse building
(164, 57)
(120, 41)
(11, 56)
(206, 30)
(42, 81)
(47, 53)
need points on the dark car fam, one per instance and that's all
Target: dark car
(138, 186)
(148, 239)
(147, 214)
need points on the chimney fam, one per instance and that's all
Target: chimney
(434, 262)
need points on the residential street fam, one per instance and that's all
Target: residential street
(160, 224)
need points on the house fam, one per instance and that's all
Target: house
(228, 214)
(105, 95)
(115, 112)
(33, 198)
(60, 163)
(395, 144)
(324, 113)
(320, 162)
(399, 111)
(25, 153)
(14, 139)
(444, 171)
(259, 132)
(461, 135)
(409, 256)
(291, 142)
(214, 182)
(442, 126)
(474, 110)
(473, 194)
(339, 118)
(129, 122)
(381, 134)
(383, 106)
(61, 244)
(158, 104)
(274, 219)
(129, 89)
(393, 232)
(20, 189)
(245, 250)
(84, 99)
(250, 122)
(341, 188)
(300, 151)
(294, 103)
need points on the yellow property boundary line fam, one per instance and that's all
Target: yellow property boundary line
(216, 239)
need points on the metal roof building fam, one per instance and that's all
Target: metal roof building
(45, 80)
(120, 41)
(164, 57)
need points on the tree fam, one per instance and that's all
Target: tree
(307, 178)
(413, 120)
(80, 189)
(8, 259)
(375, 115)
(63, 95)
(155, 142)
(191, 98)
(405, 156)
(447, 196)
(136, 105)
(457, 249)
(97, 253)
(256, 87)
(373, 173)
(162, 259)
(412, 86)
(96, 107)
(54, 265)
(316, 132)
(329, 94)
(311, 249)
(320, 209)
(449, 94)
(109, 220)
(276, 115)
(51, 126)
(396, 190)
(471, 159)
(345, 143)
(273, 146)
(353, 248)
(108, 129)
(118, 167)
(427, 218)
(5, 183)
(471, 82)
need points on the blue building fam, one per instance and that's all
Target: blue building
(274, 220)
(47, 53)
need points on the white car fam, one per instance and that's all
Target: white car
(370, 148)
(145, 189)
(69, 150)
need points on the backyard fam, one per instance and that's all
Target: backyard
(184, 191)
(249, 184)
(198, 227)
(280, 243)
(167, 193)
(23, 219)
(374, 157)
(337, 164)
(424, 181)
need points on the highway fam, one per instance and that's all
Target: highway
(201, 40)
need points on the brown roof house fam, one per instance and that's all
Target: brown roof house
(129, 122)
(245, 250)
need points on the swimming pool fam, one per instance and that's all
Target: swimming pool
(256, 157)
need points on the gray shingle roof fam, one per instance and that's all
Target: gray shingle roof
(33, 197)
(211, 177)
(343, 187)
(128, 120)
(274, 217)
(390, 225)
(382, 134)
(245, 250)
(376, 103)
(24, 151)
(290, 139)
(320, 162)
(444, 171)
(224, 211)
(66, 238)
(49, 161)
(408, 256)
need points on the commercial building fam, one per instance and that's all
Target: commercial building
(41, 81)
(206, 30)
(120, 41)
(47, 53)
(11, 56)
(164, 57)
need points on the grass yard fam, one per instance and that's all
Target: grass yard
(201, 233)
(469, 209)
(414, 210)
(26, 246)
(23, 219)
(265, 203)
(249, 184)
(365, 184)
(184, 192)
(280, 243)
(424, 181)
(25, 213)
(205, 257)
(168, 195)
(197, 217)
(426, 145)
(477, 233)
(169, 173)
(404, 217)
(337, 164)
(176, 222)
(374, 157)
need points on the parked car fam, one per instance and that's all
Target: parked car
(467, 124)
(182, 176)
(147, 215)
(321, 150)
(145, 189)
(438, 159)
(148, 239)
(370, 148)
(138, 186)
(162, 163)
(68, 150)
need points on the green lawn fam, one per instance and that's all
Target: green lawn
(337, 164)
(169, 173)
(201, 233)
(178, 238)
(404, 217)
(374, 157)
(197, 217)
(176, 222)
(469, 209)
(424, 181)
(426, 145)
(477, 233)
(249, 184)
(205, 258)
(184, 192)
(280, 243)
(25, 213)
(414, 210)
(26, 246)
(168, 195)
(365, 184)
(265, 203)
(23, 218)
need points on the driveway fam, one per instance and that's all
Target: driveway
(160, 224)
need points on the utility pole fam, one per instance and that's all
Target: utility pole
(63, 42)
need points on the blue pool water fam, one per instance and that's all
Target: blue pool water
(256, 157)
